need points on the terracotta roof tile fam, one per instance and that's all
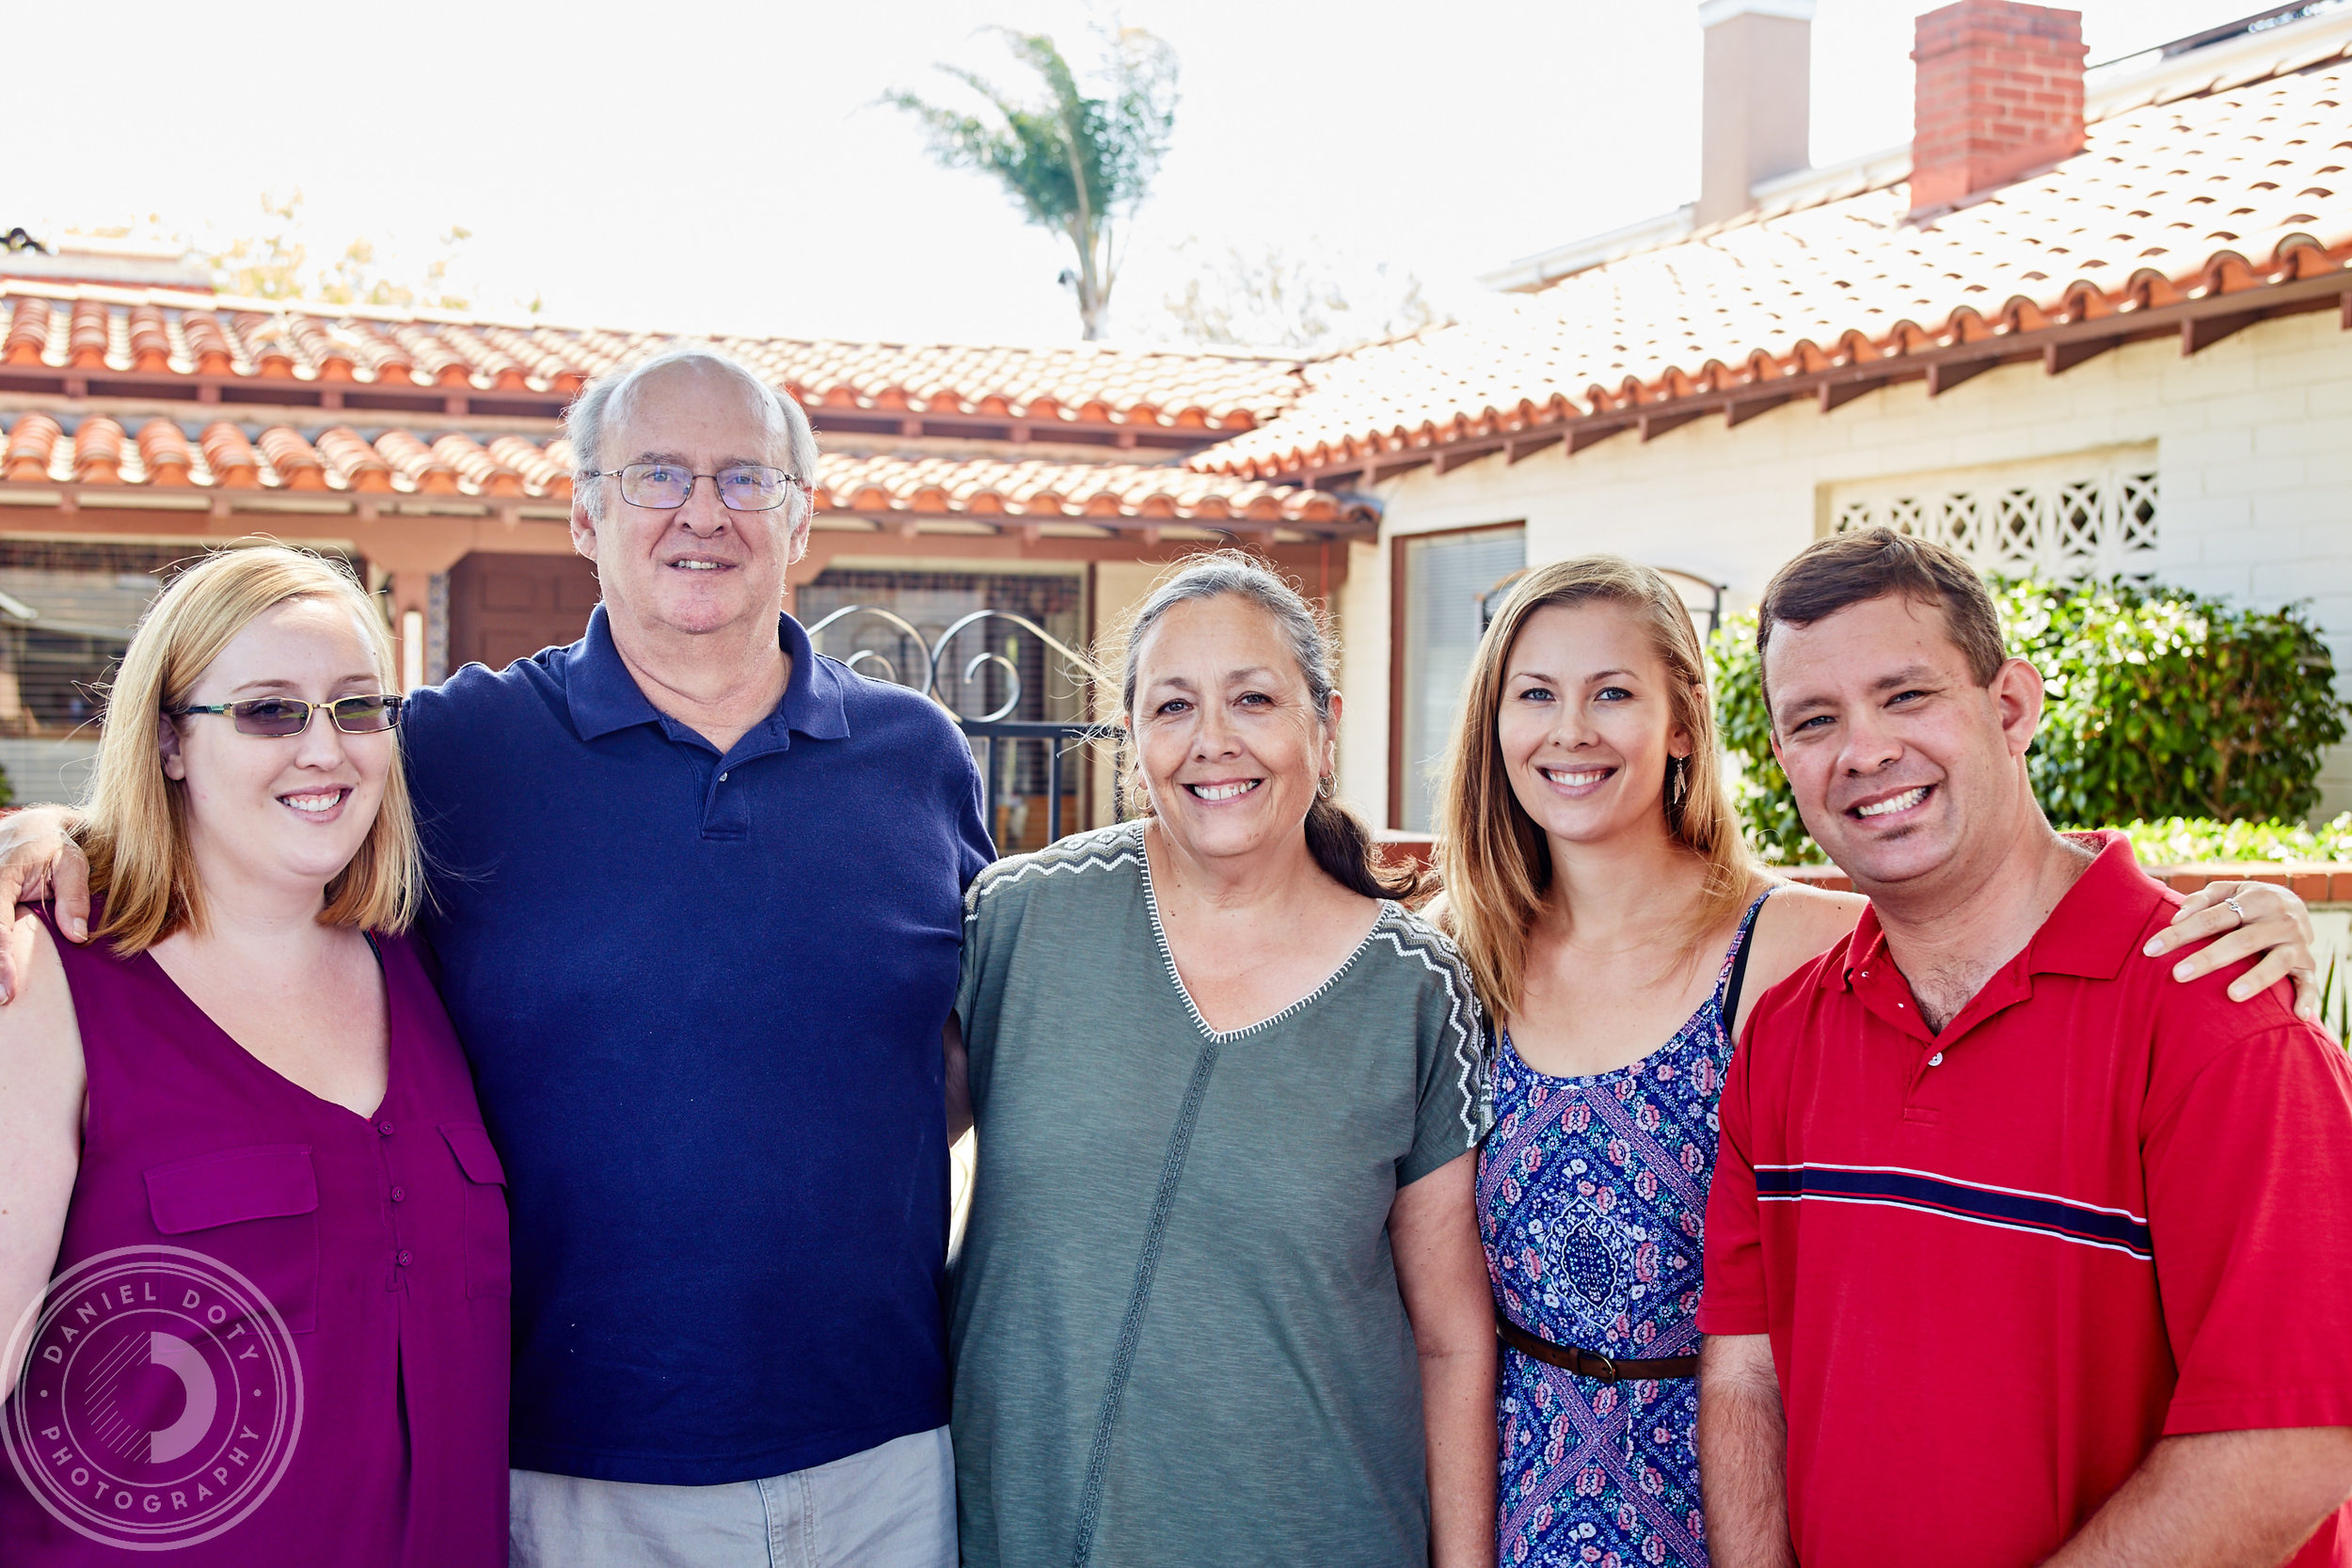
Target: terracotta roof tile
(984, 487)
(31, 445)
(98, 451)
(163, 454)
(296, 464)
(159, 331)
(416, 463)
(284, 460)
(228, 457)
(541, 472)
(29, 332)
(354, 461)
(483, 471)
(2195, 196)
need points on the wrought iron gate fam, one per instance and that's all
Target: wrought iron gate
(989, 729)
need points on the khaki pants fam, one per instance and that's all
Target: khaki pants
(893, 1506)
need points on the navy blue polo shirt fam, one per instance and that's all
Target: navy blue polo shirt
(703, 997)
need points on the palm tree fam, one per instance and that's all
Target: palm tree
(1077, 164)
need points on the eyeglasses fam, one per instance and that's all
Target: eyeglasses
(280, 716)
(741, 486)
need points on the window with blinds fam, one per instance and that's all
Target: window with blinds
(1447, 578)
(2065, 520)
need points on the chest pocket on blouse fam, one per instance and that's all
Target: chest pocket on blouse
(489, 1270)
(254, 1210)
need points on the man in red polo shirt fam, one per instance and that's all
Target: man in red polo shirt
(2017, 1252)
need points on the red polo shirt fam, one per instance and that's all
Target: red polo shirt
(1998, 1263)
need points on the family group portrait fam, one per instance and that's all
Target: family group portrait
(1229, 786)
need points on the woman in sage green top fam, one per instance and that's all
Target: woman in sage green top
(1223, 1252)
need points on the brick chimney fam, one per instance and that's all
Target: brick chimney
(1999, 94)
(1757, 104)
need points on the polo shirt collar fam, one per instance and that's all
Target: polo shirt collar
(604, 697)
(2091, 933)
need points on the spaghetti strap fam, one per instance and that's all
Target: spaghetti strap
(1735, 962)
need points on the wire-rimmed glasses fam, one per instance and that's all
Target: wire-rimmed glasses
(741, 486)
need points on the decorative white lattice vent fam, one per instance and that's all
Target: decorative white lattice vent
(2059, 520)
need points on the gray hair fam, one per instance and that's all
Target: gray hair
(1340, 841)
(789, 436)
(1210, 577)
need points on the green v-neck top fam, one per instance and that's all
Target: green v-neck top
(1177, 1330)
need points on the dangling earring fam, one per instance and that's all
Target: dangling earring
(1681, 787)
(1324, 785)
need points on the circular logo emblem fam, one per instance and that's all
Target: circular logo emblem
(160, 1401)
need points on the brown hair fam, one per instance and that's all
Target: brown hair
(1847, 569)
(1497, 860)
(1338, 839)
(133, 824)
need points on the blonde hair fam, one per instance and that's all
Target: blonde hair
(1496, 862)
(134, 825)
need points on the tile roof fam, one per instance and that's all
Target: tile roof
(223, 459)
(124, 331)
(2242, 186)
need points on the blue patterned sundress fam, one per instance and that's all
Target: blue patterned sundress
(1591, 1193)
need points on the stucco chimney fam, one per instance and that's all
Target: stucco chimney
(1999, 94)
(1757, 103)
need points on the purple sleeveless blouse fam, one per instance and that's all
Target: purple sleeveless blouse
(382, 1243)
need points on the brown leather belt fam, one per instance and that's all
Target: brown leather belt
(1584, 1364)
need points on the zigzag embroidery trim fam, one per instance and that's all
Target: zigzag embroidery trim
(1462, 1007)
(1072, 855)
(1407, 933)
(1159, 934)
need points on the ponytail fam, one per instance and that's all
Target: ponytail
(1343, 847)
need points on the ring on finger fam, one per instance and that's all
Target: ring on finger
(2231, 905)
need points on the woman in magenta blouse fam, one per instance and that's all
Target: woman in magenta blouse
(253, 1250)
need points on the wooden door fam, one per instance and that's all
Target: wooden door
(502, 608)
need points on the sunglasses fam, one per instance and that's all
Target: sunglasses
(280, 716)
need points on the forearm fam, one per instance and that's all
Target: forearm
(957, 1082)
(1743, 1449)
(2218, 1499)
(43, 1090)
(1441, 1273)
(1457, 1396)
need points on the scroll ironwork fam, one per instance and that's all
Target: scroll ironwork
(950, 685)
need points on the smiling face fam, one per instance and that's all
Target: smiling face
(700, 568)
(1228, 737)
(1587, 722)
(1904, 767)
(294, 809)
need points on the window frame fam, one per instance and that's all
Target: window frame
(1400, 604)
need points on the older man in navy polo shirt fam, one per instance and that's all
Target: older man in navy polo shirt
(698, 901)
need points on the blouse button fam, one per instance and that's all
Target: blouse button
(400, 1195)
(406, 1258)
(385, 1128)
(1936, 1060)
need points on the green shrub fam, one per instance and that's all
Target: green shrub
(1758, 787)
(2185, 840)
(2162, 705)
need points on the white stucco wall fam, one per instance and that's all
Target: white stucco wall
(2254, 454)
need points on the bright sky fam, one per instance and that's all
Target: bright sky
(701, 166)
